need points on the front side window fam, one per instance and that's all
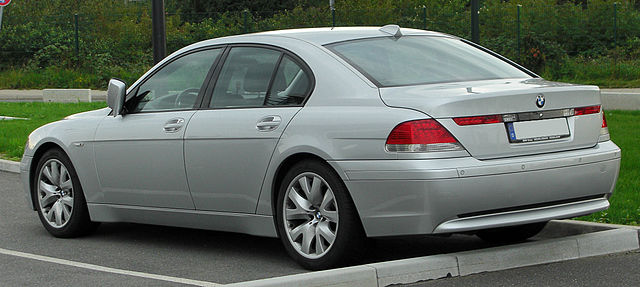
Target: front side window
(245, 77)
(414, 60)
(176, 85)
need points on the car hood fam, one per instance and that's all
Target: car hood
(90, 114)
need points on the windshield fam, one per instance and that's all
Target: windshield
(413, 60)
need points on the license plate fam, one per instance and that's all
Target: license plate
(533, 131)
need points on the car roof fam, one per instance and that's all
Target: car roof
(316, 36)
(323, 36)
(326, 35)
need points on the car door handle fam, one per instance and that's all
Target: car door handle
(173, 125)
(268, 123)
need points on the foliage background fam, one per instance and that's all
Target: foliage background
(559, 39)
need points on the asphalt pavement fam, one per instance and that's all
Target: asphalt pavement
(123, 254)
(208, 256)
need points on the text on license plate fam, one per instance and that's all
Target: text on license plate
(531, 131)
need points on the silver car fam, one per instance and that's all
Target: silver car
(324, 137)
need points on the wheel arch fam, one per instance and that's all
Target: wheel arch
(37, 155)
(289, 162)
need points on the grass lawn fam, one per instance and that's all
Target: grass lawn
(604, 72)
(623, 125)
(13, 133)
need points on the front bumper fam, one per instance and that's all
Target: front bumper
(412, 197)
(25, 164)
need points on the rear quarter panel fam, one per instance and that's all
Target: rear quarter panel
(344, 118)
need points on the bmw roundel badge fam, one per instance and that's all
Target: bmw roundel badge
(540, 101)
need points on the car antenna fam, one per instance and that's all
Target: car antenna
(392, 29)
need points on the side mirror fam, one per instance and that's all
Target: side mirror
(116, 95)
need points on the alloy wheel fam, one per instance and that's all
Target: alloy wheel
(55, 193)
(310, 215)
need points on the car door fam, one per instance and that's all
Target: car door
(139, 156)
(228, 144)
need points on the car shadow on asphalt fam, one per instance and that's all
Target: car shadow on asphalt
(270, 249)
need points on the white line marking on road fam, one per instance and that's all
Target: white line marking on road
(108, 269)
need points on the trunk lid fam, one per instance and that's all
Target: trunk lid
(444, 102)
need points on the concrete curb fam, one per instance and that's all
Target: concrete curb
(547, 251)
(620, 100)
(357, 276)
(38, 95)
(603, 239)
(66, 95)
(9, 166)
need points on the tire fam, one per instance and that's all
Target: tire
(511, 234)
(316, 219)
(58, 197)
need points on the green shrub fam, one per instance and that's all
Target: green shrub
(51, 55)
(539, 54)
(632, 48)
(115, 37)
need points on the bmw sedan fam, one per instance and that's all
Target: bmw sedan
(325, 137)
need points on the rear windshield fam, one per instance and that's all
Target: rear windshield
(413, 60)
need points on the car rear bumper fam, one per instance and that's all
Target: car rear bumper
(412, 197)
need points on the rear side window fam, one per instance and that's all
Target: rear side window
(245, 77)
(413, 60)
(290, 85)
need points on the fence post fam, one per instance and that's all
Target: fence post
(615, 24)
(332, 5)
(424, 17)
(519, 59)
(1, 9)
(615, 38)
(246, 20)
(75, 18)
(475, 21)
(158, 31)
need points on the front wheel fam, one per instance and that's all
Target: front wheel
(511, 234)
(59, 199)
(316, 218)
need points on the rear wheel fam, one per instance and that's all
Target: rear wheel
(317, 220)
(59, 199)
(511, 234)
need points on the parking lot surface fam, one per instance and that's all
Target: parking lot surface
(215, 257)
(124, 254)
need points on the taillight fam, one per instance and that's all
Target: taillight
(421, 136)
(604, 130)
(478, 120)
(587, 110)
